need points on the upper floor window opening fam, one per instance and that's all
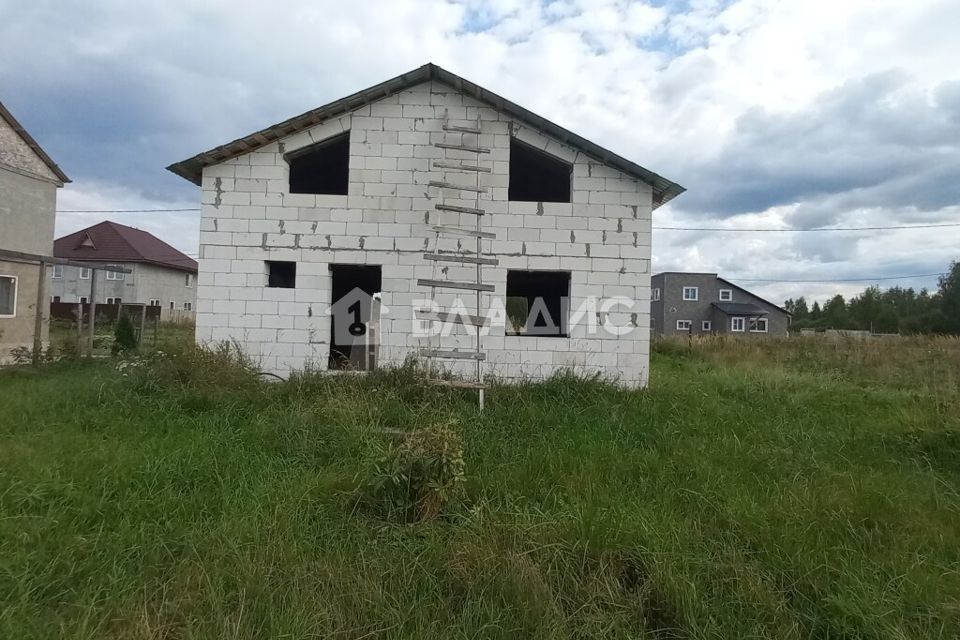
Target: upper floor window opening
(322, 168)
(536, 176)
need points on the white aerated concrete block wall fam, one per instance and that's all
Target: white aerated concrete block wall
(248, 216)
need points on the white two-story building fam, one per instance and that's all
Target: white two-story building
(428, 187)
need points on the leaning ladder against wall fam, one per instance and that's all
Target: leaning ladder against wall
(460, 176)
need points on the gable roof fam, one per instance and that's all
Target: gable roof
(34, 146)
(112, 242)
(736, 286)
(192, 168)
(727, 282)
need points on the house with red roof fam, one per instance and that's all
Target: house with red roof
(160, 275)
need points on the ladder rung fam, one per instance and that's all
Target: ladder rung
(461, 147)
(457, 231)
(461, 187)
(452, 318)
(457, 384)
(461, 128)
(459, 166)
(457, 257)
(453, 355)
(453, 284)
(458, 209)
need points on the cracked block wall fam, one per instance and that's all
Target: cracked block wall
(602, 238)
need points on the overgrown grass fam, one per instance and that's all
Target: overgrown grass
(774, 490)
(157, 335)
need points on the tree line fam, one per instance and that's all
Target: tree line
(893, 310)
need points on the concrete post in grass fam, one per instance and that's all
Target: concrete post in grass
(79, 328)
(143, 324)
(93, 311)
(38, 316)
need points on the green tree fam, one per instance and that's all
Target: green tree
(815, 312)
(886, 320)
(124, 335)
(893, 310)
(797, 308)
(949, 295)
(835, 313)
(864, 309)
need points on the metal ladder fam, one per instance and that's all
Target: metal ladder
(466, 191)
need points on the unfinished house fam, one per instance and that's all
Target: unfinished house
(29, 180)
(427, 217)
(704, 304)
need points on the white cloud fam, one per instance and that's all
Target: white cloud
(80, 207)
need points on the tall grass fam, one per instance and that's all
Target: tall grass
(929, 362)
(761, 490)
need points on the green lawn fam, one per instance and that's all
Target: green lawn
(789, 490)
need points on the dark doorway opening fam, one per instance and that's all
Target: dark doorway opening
(321, 168)
(354, 320)
(538, 303)
(536, 176)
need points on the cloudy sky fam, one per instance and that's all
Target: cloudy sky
(773, 114)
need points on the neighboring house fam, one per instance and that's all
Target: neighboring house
(160, 275)
(346, 196)
(29, 180)
(703, 303)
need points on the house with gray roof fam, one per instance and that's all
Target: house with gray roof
(704, 303)
(419, 189)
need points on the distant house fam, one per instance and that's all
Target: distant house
(160, 275)
(703, 303)
(29, 180)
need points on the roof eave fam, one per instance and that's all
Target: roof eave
(155, 263)
(772, 304)
(191, 169)
(34, 145)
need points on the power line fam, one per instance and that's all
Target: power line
(671, 228)
(658, 227)
(731, 230)
(919, 275)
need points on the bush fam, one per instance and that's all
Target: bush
(124, 336)
(24, 355)
(222, 366)
(21, 355)
(419, 477)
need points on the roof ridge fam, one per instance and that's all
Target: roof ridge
(157, 238)
(688, 273)
(116, 228)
